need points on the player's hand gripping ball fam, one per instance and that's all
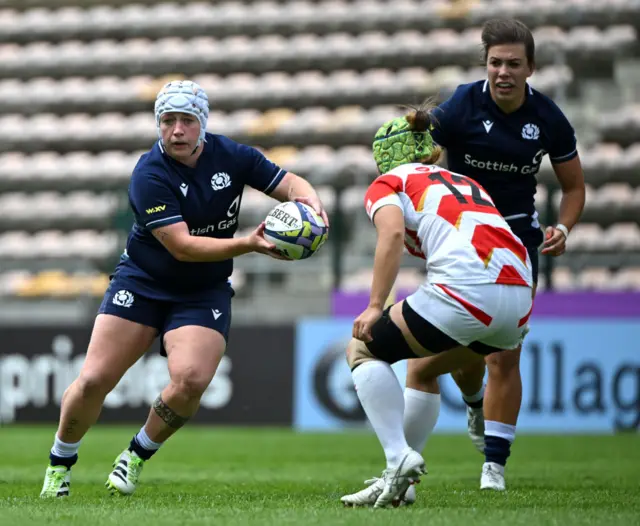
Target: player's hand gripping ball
(295, 229)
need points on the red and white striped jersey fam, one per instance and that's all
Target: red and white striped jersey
(451, 221)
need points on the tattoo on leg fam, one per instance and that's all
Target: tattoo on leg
(72, 423)
(167, 414)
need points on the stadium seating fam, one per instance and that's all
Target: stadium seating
(308, 82)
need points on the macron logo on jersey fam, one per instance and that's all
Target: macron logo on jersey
(487, 125)
(184, 188)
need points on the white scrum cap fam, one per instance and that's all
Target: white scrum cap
(184, 96)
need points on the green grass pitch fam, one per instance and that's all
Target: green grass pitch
(222, 476)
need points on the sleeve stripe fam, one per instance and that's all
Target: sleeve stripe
(563, 157)
(164, 220)
(391, 199)
(274, 182)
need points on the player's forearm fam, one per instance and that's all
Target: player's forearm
(299, 187)
(386, 265)
(571, 206)
(209, 250)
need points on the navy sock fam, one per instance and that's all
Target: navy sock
(62, 461)
(496, 449)
(475, 405)
(144, 454)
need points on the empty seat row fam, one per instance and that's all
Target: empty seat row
(567, 13)
(621, 126)
(63, 284)
(245, 90)
(437, 48)
(44, 209)
(53, 283)
(78, 170)
(603, 163)
(85, 244)
(592, 237)
(116, 130)
(314, 125)
(56, 4)
(268, 17)
(612, 203)
(597, 279)
(321, 164)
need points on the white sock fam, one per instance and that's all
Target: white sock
(64, 450)
(143, 439)
(381, 397)
(475, 397)
(498, 429)
(421, 412)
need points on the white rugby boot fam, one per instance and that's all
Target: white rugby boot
(57, 482)
(492, 477)
(369, 495)
(398, 480)
(475, 427)
(126, 472)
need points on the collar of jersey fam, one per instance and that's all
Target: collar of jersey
(177, 165)
(488, 101)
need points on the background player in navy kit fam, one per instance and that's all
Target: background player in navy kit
(497, 131)
(172, 280)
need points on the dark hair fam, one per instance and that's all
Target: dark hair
(508, 31)
(421, 119)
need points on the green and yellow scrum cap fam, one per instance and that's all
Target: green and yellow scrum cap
(395, 143)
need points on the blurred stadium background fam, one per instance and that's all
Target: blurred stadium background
(307, 82)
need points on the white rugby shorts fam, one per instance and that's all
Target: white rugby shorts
(492, 314)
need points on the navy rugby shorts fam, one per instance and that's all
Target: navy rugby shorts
(531, 238)
(212, 309)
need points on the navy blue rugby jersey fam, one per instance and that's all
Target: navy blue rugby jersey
(163, 191)
(503, 151)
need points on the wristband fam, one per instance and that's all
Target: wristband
(563, 229)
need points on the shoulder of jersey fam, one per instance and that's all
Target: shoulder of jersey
(469, 90)
(546, 104)
(406, 169)
(150, 162)
(462, 99)
(221, 140)
(402, 170)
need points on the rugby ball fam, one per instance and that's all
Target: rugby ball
(295, 229)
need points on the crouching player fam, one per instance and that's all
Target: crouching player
(476, 299)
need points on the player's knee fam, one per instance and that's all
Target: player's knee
(358, 353)
(503, 363)
(95, 384)
(191, 383)
(473, 372)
